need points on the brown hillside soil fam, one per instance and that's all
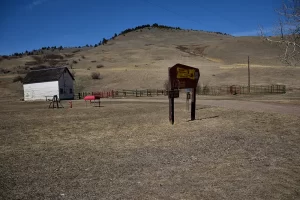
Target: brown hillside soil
(140, 60)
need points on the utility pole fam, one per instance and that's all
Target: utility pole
(248, 75)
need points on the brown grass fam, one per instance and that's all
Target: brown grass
(130, 151)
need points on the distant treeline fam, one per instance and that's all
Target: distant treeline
(42, 50)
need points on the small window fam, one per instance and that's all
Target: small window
(61, 91)
(71, 91)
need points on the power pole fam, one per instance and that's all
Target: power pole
(248, 75)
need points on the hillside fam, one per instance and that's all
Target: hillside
(140, 59)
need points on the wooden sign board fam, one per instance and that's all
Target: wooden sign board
(182, 77)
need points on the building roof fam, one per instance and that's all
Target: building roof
(45, 75)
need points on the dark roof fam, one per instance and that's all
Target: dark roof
(45, 75)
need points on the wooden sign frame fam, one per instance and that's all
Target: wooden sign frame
(182, 77)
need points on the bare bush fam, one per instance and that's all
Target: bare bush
(100, 66)
(95, 75)
(5, 71)
(166, 85)
(83, 57)
(288, 32)
(69, 55)
(73, 73)
(75, 51)
(53, 57)
(75, 62)
(93, 61)
(18, 79)
(53, 62)
(30, 63)
(38, 59)
(38, 67)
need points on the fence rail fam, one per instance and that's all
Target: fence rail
(237, 89)
(207, 90)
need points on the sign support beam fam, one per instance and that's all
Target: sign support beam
(171, 100)
(193, 105)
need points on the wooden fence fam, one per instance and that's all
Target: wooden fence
(207, 90)
(124, 93)
(237, 89)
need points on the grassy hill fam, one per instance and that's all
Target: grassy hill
(139, 58)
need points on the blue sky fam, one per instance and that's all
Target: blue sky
(31, 24)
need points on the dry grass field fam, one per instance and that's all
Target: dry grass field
(128, 150)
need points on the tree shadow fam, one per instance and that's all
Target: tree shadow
(99, 106)
(203, 107)
(204, 118)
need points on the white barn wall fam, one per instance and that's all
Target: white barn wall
(38, 91)
(66, 83)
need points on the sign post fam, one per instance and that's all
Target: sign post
(193, 105)
(188, 97)
(171, 100)
(182, 77)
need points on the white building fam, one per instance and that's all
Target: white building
(45, 83)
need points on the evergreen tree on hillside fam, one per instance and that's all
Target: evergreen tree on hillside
(104, 41)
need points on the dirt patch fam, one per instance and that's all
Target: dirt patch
(193, 49)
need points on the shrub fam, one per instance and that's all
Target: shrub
(83, 57)
(75, 51)
(18, 79)
(38, 59)
(53, 62)
(69, 55)
(93, 61)
(75, 62)
(5, 71)
(73, 73)
(53, 56)
(39, 67)
(95, 75)
(100, 66)
(166, 85)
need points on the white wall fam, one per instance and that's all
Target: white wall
(66, 83)
(38, 91)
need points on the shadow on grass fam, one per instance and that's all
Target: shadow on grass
(204, 118)
(203, 107)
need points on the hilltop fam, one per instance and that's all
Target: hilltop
(139, 58)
